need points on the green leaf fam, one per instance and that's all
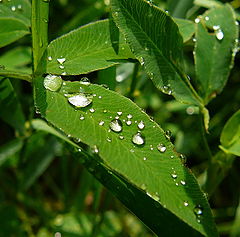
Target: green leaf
(230, 136)
(179, 8)
(156, 42)
(39, 152)
(9, 149)
(91, 47)
(208, 3)
(144, 166)
(11, 30)
(21, 12)
(21, 55)
(186, 28)
(215, 50)
(11, 111)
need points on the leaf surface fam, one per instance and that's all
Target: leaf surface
(157, 44)
(230, 136)
(186, 28)
(91, 47)
(214, 56)
(143, 166)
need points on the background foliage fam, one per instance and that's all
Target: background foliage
(45, 190)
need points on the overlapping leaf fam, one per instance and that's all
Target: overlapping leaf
(216, 46)
(186, 28)
(156, 42)
(91, 47)
(156, 171)
(230, 136)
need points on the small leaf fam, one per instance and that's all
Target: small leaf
(11, 111)
(156, 42)
(86, 49)
(11, 30)
(186, 28)
(179, 8)
(215, 49)
(142, 164)
(230, 136)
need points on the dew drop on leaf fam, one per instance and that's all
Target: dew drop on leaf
(85, 81)
(144, 158)
(109, 139)
(162, 148)
(141, 125)
(61, 60)
(219, 34)
(82, 117)
(138, 139)
(168, 134)
(13, 8)
(183, 182)
(128, 122)
(119, 113)
(174, 175)
(121, 137)
(49, 58)
(185, 203)
(198, 210)
(80, 100)
(52, 82)
(101, 123)
(116, 125)
(95, 149)
(92, 110)
(183, 158)
(129, 116)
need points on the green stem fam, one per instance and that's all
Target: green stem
(40, 10)
(134, 80)
(16, 75)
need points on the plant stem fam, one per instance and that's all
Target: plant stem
(16, 75)
(134, 80)
(40, 10)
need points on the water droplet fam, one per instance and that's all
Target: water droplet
(183, 182)
(216, 27)
(219, 34)
(167, 90)
(61, 60)
(129, 116)
(105, 86)
(141, 125)
(64, 73)
(116, 117)
(52, 82)
(198, 210)
(119, 113)
(174, 175)
(128, 122)
(185, 203)
(116, 125)
(80, 100)
(85, 81)
(19, 7)
(168, 134)
(131, 150)
(206, 18)
(115, 14)
(61, 67)
(13, 8)
(49, 58)
(100, 97)
(143, 187)
(101, 123)
(79, 150)
(138, 139)
(109, 139)
(141, 60)
(197, 20)
(77, 140)
(183, 158)
(92, 110)
(171, 156)
(194, 40)
(104, 111)
(156, 197)
(144, 158)
(95, 149)
(121, 137)
(82, 117)
(190, 110)
(236, 23)
(162, 148)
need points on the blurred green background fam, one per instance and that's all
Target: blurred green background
(45, 191)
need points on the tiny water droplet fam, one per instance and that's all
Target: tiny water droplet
(129, 116)
(121, 137)
(168, 134)
(52, 82)
(101, 123)
(143, 187)
(141, 60)
(138, 139)
(131, 150)
(64, 73)
(105, 86)
(92, 110)
(206, 18)
(236, 23)
(109, 139)
(167, 90)
(19, 7)
(100, 97)
(116, 125)
(197, 20)
(174, 175)
(95, 149)
(144, 158)
(61, 60)
(61, 67)
(194, 40)
(162, 148)
(79, 150)
(49, 58)
(80, 100)
(128, 122)
(141, 125)
(198, 210)
(13, 8)
(85, 81)
(219, 34)
(216, 27)
(183, 182)
(104, 111)
(171, 156)
(183, 158)
(185, 203)
(82, 117)
(119, 113)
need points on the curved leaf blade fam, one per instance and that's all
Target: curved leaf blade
(145, 167)
(87, 49)
(230, 136)
(214, 57)
(186, 28)
(156, 42)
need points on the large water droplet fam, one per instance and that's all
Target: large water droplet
(116, 125)
(162, 148)
(197, 20)
(52, 82)
(141, 125)
(85, 81)
(80, 100)
(61, 60)
(138, 139)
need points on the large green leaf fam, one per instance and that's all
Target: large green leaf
(11, 30)
(230, 136)
(91, 47)
(179, 8)
(11, 110)
(216, 45)
(186, 28)
(153, 167)
(156, 42)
